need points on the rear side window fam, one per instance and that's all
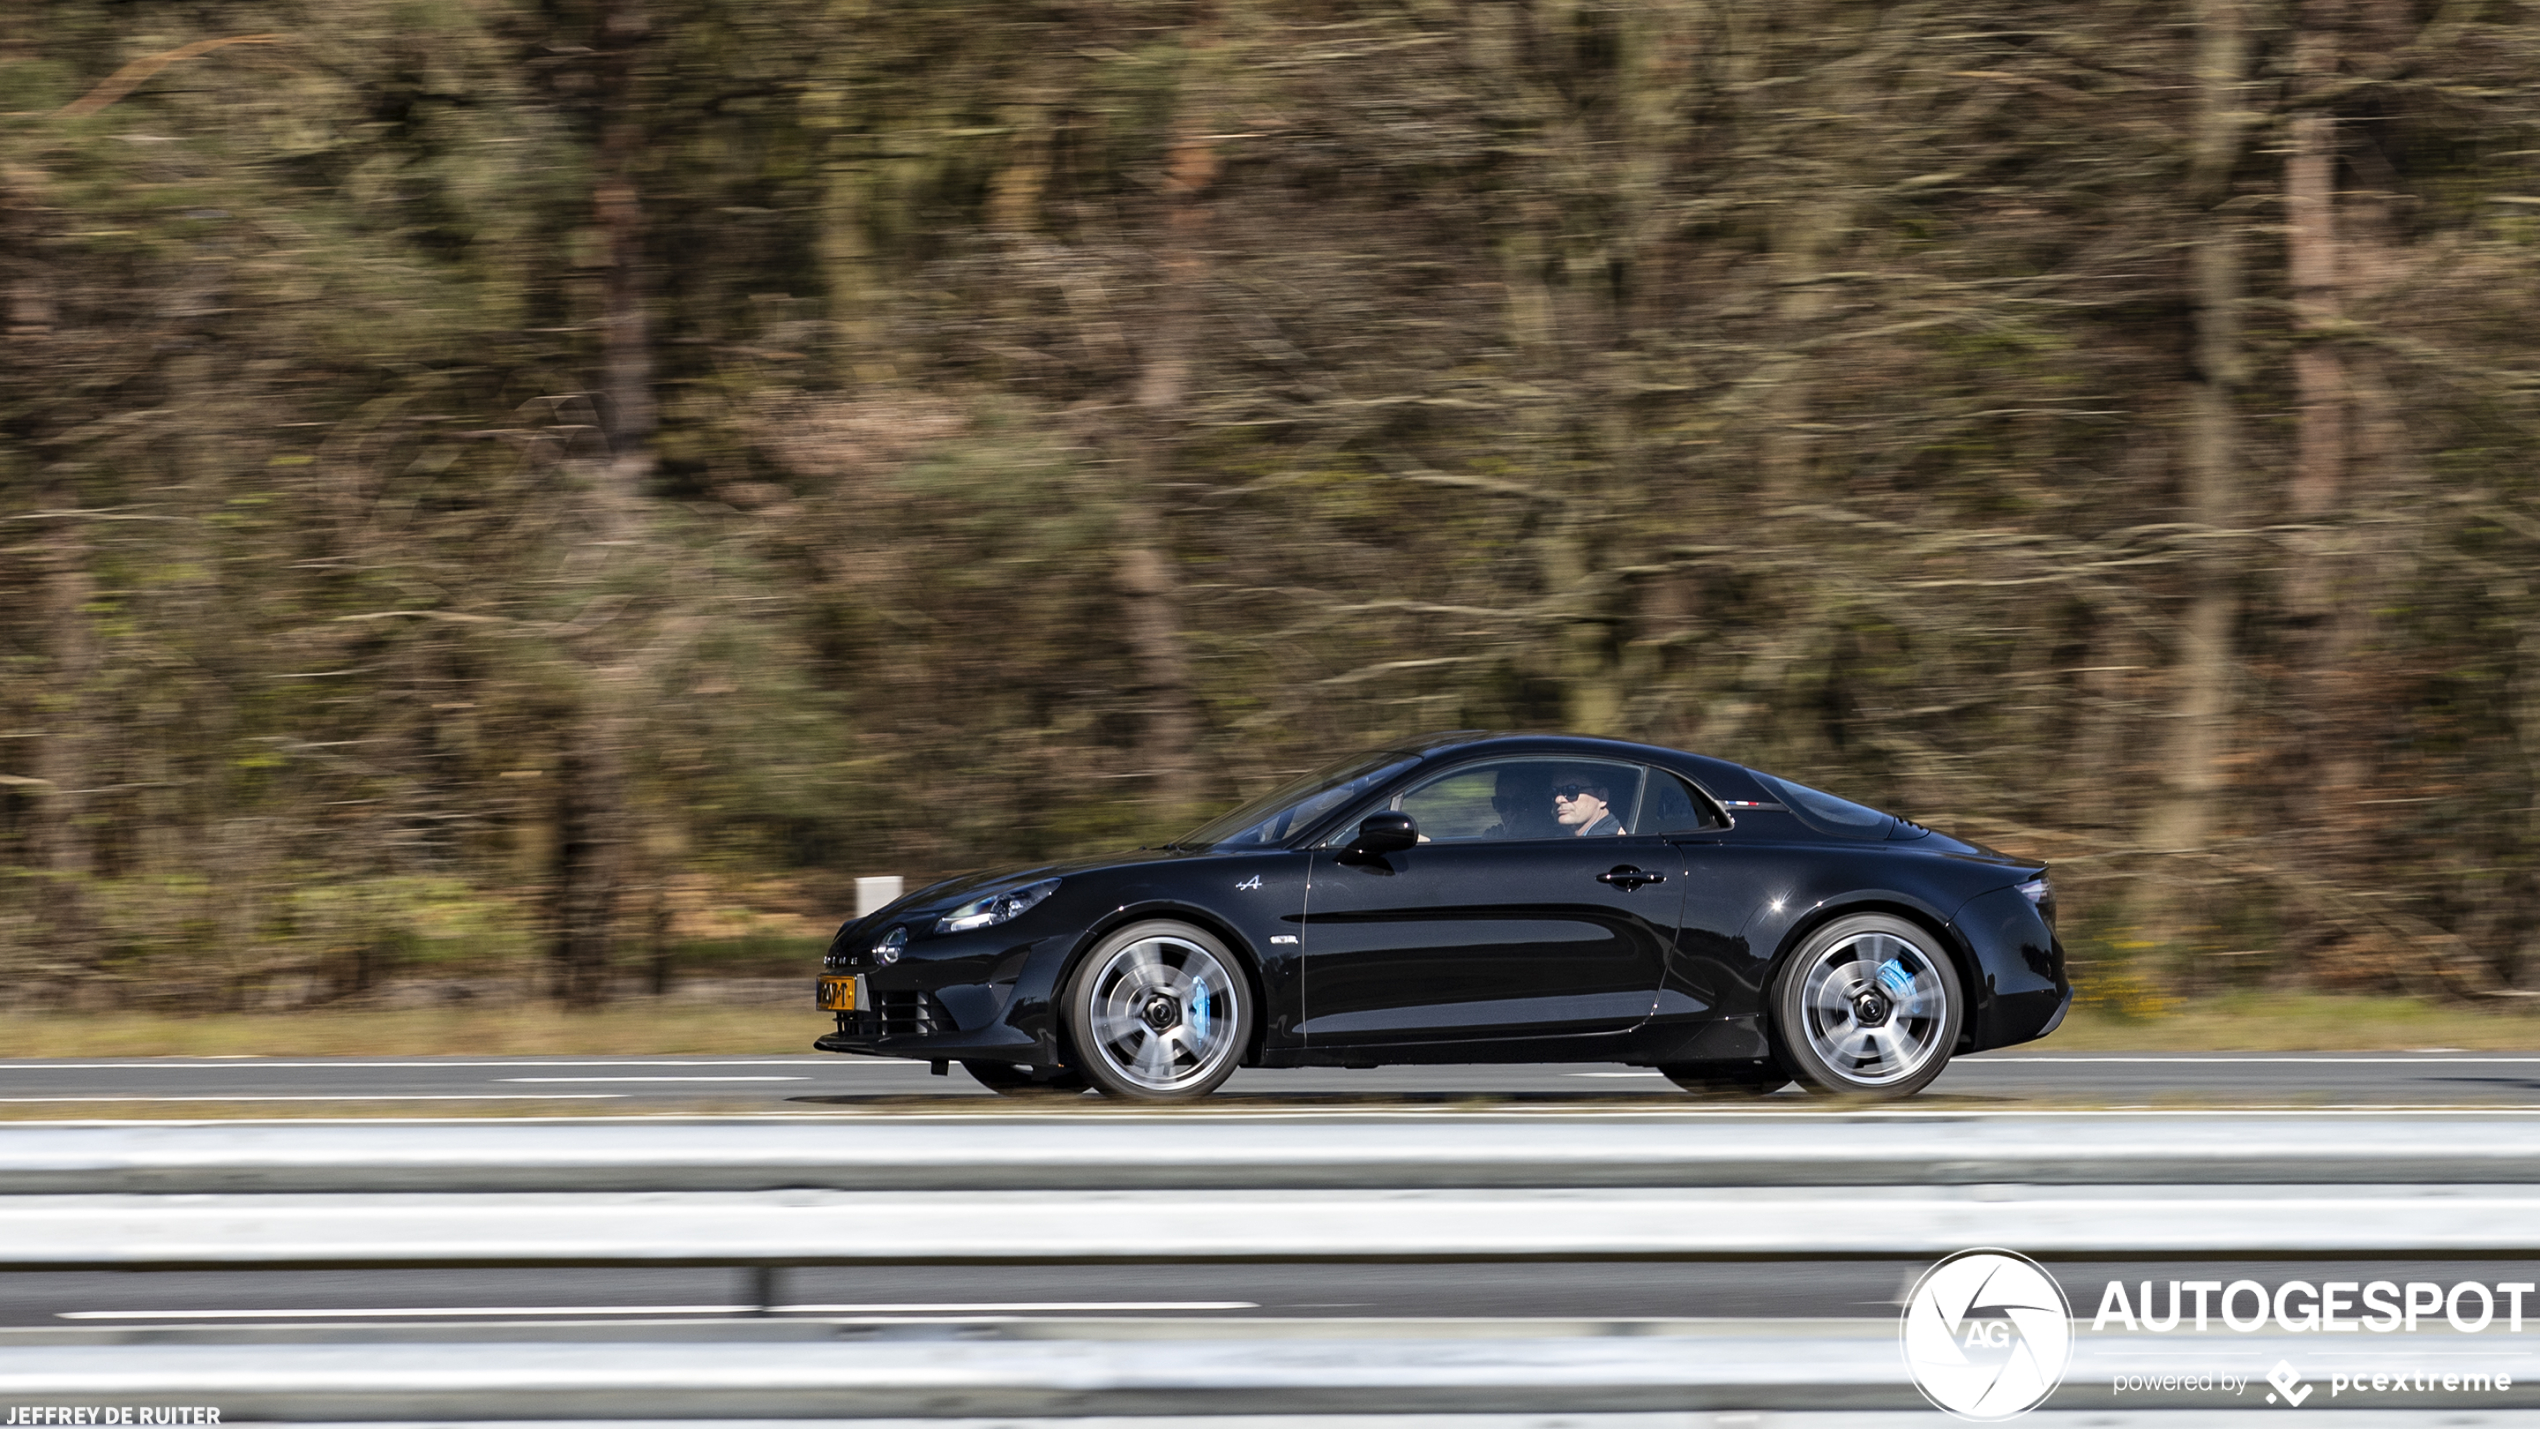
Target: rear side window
(1673, 806)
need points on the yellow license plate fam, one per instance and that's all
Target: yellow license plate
(837, 994)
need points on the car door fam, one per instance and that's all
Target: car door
(1504, 923)
(1713, 970)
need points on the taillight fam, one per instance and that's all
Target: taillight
(2041, 893)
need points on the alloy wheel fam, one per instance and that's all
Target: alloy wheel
(1869, 1006)
(1160, 1014)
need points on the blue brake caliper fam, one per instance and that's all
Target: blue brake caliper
(1199, 1010)
(1894, 977)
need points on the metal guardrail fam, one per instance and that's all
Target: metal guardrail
(1192, 1152)
(1080, 1227)
(1074, 1189)
(944, 1378)
(1843, 1365)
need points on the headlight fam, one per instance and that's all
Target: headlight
(996, 908)
(887, 951)
(2041, 893)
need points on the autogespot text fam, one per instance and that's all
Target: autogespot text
(2379, 1307)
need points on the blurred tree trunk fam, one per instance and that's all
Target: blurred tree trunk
(2523, 961)
(1144, 572)
(2320, 618)
(592, 814)
(62, 842)
(589, 854)
(846, 258)
(58, 842)
(1800, 73)
(1805, 232)
(2310, 239)
(1576, 663)
(1627, 155)
(1590, 702)
(618, 209)
(1543, 335)
(1601, 97)
(2202, 672)
(658, 923)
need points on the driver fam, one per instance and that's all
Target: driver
(1581, 800)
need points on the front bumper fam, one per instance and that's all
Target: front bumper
(1000, 1043)
(978, 996)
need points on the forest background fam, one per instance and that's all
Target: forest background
(530, 489)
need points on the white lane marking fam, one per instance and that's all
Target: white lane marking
(347, 1314)
(951, 1308)
(1788, 1112)
(179, 1064)
(2243, 1059)
(2390, 1059)
(2382, 1059)
(341, 1097)
(1024, 1307)
(654, 1079)
(8, 1066)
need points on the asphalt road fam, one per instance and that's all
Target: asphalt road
(816, 1083)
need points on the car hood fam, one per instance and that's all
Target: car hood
(948, 893)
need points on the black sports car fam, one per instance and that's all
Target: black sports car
(1476, 898)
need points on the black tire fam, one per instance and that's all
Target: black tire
(1727, 1081)
(1159, 1012)
(1008, 1079)
(1870, 1006)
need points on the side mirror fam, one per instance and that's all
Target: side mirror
(1389, 832)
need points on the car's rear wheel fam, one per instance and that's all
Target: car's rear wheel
(1869, 1006)
(1727, 1081)
(1159, 1011)
(1007, 1079)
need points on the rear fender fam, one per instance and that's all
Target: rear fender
(1804, 925)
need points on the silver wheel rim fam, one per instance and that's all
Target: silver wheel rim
(1874, 1009)
(1164, 1013)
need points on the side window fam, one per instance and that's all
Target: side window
(1674, 807)
(1457, 807)
(1508, 799)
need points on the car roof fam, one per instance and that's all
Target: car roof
(1719, 778)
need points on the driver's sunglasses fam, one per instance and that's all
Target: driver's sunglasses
(1571, 791)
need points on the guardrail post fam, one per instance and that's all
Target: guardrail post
(872, 894)
(766, 1284)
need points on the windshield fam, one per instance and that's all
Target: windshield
(1289, 810)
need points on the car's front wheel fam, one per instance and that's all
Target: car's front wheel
(1869, 1006)
(1159, 1011)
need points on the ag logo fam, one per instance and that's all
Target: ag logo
(1987, 1334)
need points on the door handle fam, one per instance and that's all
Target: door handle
(1627, 878)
